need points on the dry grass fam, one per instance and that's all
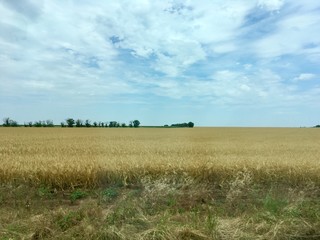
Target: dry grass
(91, 157)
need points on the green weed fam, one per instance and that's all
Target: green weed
(77, 194)
(68, 220)
(44, 191)
(274, 205)
(110, 194)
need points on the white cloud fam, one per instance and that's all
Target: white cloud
(145, 28)
(224, 47)
(175, 32)
(292, 35)
(182, 53)
(305, 76)
(226, 87)
(271, 5)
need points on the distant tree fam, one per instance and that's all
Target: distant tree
(7, 122)
(62, 124)
(14, 123)
(113, 124)
(95, 124)
(30, 124)
(102, 124)
(136, 123)
(190, 124)
(87, 123)
(166, 125)
(49, 123)
(179, 125)
(25, 124)
(123, 125)
(317, 126)
(79, 123)
(131, 124)
(183, 125)
(38, 123)
(70, 122)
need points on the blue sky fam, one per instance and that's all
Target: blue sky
(216, 63)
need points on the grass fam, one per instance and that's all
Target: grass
(201, 183)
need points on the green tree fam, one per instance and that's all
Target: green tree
(49, 123)
(87, 123)
(113, 124)
(136, 123)
(79, 123)
(70, 122)
(179, 125)
(190, 124)
(7, 122)
(37, 123)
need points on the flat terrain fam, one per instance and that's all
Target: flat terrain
(86, 157)
(149, 183)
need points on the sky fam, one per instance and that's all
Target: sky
(212, 62)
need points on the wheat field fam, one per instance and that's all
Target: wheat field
(65, 158)
(159, 183)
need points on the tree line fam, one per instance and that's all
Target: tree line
(183, 125)
(70, 122)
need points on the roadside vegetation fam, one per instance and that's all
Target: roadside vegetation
(208, 183)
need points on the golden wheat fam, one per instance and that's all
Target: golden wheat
(89, 157)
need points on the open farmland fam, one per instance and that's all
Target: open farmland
(88, 157)
(201, 183)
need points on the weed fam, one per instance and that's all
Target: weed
(274, 205)
(159, 233)
(77, 194)
(110, 193)
(211, 221)
(171, 200)
(44, 191)
(135, 193)
(124, 212)
(68, 220)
